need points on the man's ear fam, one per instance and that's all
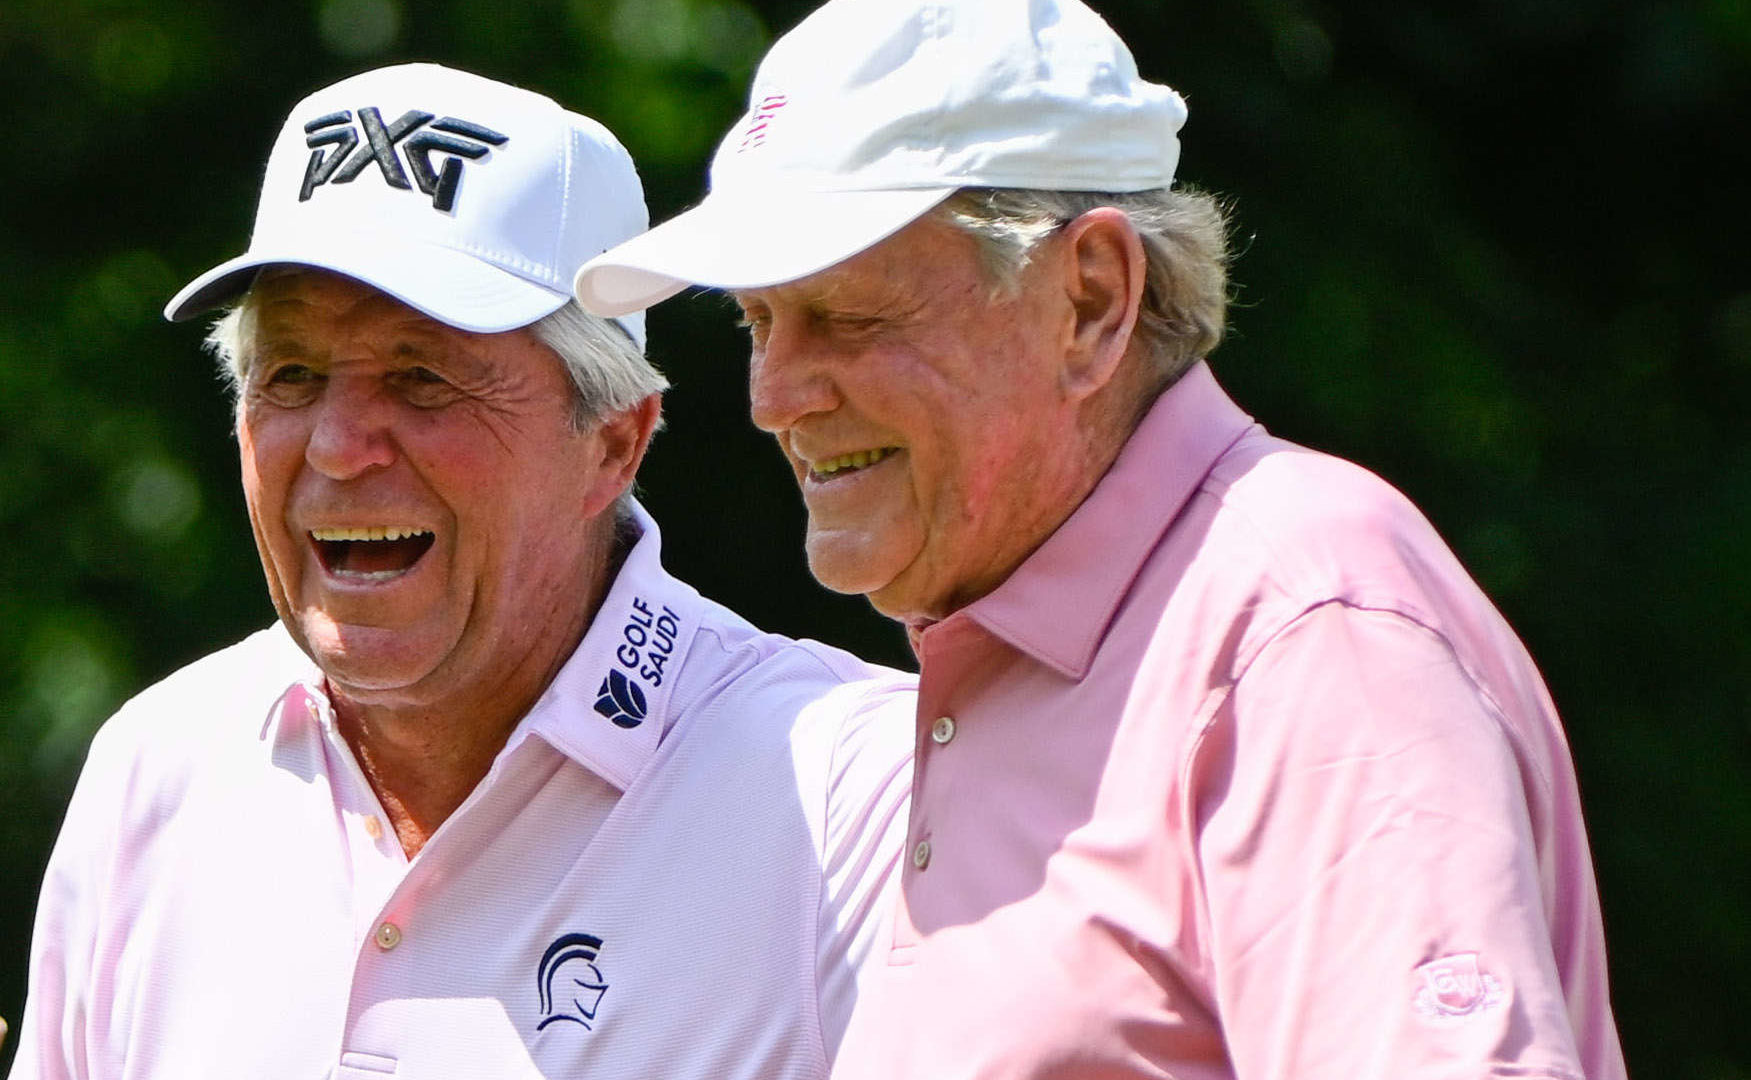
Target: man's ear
(1104, 268)
(623, 438)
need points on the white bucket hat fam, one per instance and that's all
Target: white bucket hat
(871, 112)
(470, 200)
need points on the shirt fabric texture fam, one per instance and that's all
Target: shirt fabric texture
(672, 869)
(1238, 775)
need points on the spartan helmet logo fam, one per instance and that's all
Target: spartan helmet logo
(342, 165)
(570, 983)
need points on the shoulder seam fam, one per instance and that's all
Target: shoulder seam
(1493, 707)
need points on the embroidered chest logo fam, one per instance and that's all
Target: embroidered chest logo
(1455, 987)
(759, 119)
(417, 135)
(570, 983)
(647, 644)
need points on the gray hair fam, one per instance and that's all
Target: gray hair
(608, 370)
(1185, 245)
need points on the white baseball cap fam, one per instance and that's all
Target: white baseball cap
(870, 112)
(470, 200)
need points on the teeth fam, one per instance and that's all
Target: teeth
(369, 532)
(858, 460)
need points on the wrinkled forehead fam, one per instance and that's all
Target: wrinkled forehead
(305, 314)
(311, 300)
(294, 283)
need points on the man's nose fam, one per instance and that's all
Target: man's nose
(351, 428)
(787, 381)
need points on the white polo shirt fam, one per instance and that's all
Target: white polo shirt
(673, 869)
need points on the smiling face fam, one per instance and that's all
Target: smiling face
(930, 425)
(434, 531)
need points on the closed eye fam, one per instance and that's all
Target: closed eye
(757, 323)
(854, 324)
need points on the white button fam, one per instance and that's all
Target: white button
(921, 854)
(373, 826)
(388, 936)
(943, 730)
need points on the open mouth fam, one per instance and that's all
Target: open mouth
(849, 463)
(374, 553)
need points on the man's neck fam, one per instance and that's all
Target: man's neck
(424, 760)
(420, 767)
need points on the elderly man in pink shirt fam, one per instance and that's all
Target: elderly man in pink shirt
(1224, 767)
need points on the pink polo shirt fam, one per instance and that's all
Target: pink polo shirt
(1239, 775)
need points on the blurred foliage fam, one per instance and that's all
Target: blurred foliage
(1493, 249)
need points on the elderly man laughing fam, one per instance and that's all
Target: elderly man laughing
(1225, 768)
(497, 796)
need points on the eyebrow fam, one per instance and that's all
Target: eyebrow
(828, 290)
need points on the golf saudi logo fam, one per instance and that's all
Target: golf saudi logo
(647, 644)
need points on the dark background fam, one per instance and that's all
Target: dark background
(1493, 250)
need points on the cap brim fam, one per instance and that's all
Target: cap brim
(747, 240)
(452, 287)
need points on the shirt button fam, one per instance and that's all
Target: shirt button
(388, 936)
(373, 826)
(943, 731)
(921, 854)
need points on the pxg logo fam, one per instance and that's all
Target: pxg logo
(348, 159)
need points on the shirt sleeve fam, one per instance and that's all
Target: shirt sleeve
(868, 790)
(1369, 865)
(53, 1033)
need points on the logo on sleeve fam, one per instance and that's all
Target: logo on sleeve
(570, 983)
(1456, 986)
(647, 644)
(416, 134)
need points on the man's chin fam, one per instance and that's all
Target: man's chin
(846, 568)
(365, 664)
(864, 555)
(890, 590)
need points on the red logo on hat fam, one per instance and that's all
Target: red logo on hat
(759, 119)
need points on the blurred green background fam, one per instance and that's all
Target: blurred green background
(1494, 250)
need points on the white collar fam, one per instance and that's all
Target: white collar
(610, 704)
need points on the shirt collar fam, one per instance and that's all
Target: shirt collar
(609, 706)
(1057, 605)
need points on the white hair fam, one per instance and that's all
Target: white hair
(1185, 245)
